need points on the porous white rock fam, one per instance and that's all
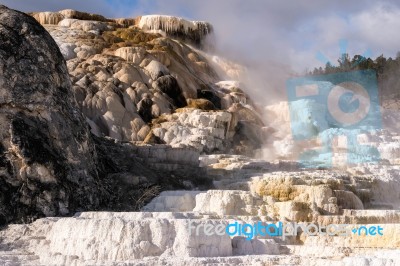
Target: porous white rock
(178, 201)
(244, 247)
(170, 24)
(226, 202)
(204, 131)
(85, 25)
(129, 74)
(44, 18)
(156, 69)
(83, 239)
(67, 50)
(131, 54)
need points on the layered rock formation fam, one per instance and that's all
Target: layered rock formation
(132, 85)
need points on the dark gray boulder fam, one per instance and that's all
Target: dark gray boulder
(47, 157)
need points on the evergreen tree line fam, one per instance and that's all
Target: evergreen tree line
(387, 71)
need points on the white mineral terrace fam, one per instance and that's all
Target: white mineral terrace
(159, 235)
